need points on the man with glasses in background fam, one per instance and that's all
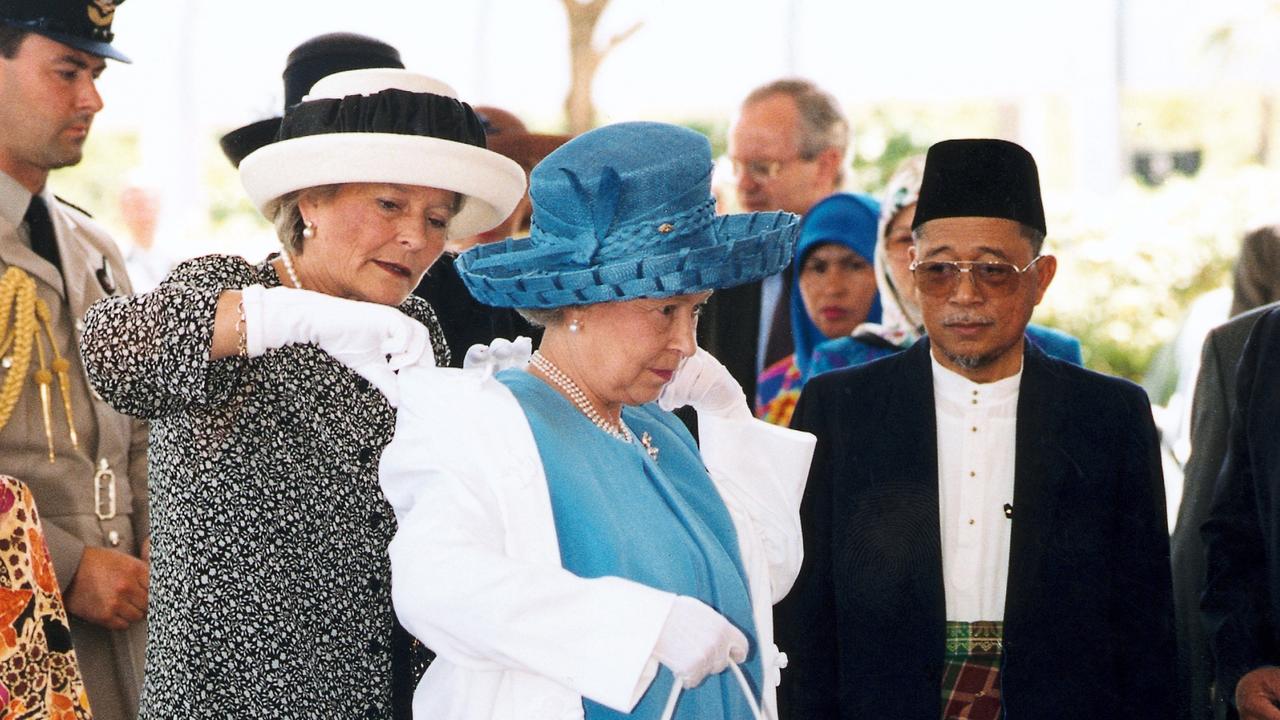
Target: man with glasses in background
(984, 525)
(787, 148)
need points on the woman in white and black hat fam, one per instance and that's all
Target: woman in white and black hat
(270, 581)
(564, 545)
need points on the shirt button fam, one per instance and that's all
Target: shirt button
(973, 474)
(975, 428)
(972, 521)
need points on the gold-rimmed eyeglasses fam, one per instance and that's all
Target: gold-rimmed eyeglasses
(939, 278)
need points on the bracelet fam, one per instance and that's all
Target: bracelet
(242, 335)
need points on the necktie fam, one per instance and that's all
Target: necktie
(41, 229)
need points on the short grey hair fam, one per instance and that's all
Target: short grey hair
(822, 123)
(287, 216)
(543, 317)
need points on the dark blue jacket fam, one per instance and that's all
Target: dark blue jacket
(1241, 603)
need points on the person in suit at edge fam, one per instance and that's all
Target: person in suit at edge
(1242, 593)
(1211, 406)
(85, 463)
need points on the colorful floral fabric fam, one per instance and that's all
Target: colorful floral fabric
(778, 390)
(39, 677)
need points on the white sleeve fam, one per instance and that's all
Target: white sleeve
(761, 471)
(476, 572)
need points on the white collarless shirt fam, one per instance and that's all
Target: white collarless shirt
(977, 431)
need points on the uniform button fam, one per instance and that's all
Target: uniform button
(79, 326)
(365, 455)
(113, 537)
(980, 693)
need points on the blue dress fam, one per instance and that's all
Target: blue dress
(660, 522)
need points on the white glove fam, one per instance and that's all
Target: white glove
(704, 383)
(373, 340)
(697, 641)
(499, 355)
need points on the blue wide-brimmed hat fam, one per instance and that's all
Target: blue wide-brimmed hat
(623, 212)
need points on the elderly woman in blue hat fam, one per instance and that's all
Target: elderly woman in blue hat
(564, 545)
(270, 583)
(834, 292)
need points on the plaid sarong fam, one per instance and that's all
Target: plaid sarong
(971, 675)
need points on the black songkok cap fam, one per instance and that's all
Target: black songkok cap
(980, 178)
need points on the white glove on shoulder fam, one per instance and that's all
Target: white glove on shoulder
(704, 383)
(499, 355)
(697, 641)
(373, 340)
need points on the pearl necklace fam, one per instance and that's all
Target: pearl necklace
(288, 267)
(579, 398)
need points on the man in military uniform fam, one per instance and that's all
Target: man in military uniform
(85, 464)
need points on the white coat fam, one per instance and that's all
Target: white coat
(475, 564)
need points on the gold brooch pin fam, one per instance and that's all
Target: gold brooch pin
(665, 228)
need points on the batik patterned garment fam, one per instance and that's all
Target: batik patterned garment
(971, 675)
(39, 677)
(778, 391)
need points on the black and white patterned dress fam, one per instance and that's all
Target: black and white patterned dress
(270, 583)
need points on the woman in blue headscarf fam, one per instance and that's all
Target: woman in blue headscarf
(564, 545)
(834, 292)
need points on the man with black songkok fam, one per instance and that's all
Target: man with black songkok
(984, 525)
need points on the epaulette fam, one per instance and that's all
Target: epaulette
(73, 206)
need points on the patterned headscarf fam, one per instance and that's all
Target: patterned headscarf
(900, 320)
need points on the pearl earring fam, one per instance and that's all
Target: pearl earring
(575, 325)
(308, 230)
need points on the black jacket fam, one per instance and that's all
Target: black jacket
(1241, 601)
(1088, 616)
